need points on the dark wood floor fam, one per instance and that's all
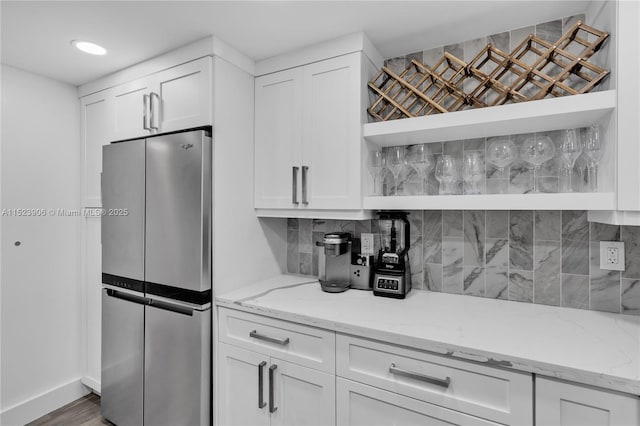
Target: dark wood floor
(81, 412)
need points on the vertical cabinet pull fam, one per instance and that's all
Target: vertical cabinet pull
(305, 201)
(145, 108)
(272, 407)
(261, 403)
(152, 119)
(294, 185)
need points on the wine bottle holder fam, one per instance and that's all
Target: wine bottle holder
(535, 69)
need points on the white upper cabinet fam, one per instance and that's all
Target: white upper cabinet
(627, 158)
(131, 109)
(181, 97)
(332, 134)
(278, 136)
(173, 99)
(308, 136)
(308, 132)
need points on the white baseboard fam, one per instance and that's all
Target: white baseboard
(42, 404)
(91, 383)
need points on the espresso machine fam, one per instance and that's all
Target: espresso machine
(393, 273)
(335, 266)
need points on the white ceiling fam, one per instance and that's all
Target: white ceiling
(36, 35)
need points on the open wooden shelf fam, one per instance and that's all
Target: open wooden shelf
(567, 112)
(562, 201)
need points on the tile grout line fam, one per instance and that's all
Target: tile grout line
(561, 257)
(533, 256)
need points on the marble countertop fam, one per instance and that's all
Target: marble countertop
(589, 347)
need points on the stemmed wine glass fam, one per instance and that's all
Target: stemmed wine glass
(447, 174)
(501, 153)
(395, 159)
(421, 161)
(472, 171)
(376, 166)
(570, 150)
(593, 152)
(536, 151)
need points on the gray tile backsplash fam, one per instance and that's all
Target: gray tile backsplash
(544, 257)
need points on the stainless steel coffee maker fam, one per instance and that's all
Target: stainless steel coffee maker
(334, 266)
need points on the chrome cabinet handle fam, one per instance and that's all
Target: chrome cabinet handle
(417, 376)
(305, 169)
(294, 186)
(145, 108)
(152, 119)
(272, 407)
(261, 403)
(258, 336)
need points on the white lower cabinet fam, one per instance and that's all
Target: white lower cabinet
(458, 388)
(255, 389)
(275, 372)
(566, 404)
(364, 405)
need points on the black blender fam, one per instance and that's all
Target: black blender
(393, 273)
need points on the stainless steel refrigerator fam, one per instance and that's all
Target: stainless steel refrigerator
(156, 275)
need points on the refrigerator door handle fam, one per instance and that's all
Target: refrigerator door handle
(171, 307)
(272, 407)
(145, 108)
(261, 403)
(128, 297)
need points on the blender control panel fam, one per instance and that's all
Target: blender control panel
(388, 283)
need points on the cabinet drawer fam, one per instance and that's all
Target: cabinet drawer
(308, 346)
(491, 393)
(360, 404)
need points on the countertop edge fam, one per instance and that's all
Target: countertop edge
(496, 360)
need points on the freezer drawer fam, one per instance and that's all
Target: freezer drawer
(123, 189)
(178, 212)
(177, 366)
(122, 358)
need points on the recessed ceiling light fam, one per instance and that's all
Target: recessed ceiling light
(89, 47)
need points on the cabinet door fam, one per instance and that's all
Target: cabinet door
(302, 396)
(364, 405)
(237, 387)
(182, 96)
(564, 404)
(130, 112)
(92, 272)
(95, 130)
(278, 134)
(332, 133)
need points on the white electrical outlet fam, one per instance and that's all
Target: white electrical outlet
(612, 255)
(366, 243)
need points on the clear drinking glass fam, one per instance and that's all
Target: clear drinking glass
(501, 153)
(536, 151)
(395, 160)
(376, 166)
(473, 171)
(570, 150)
(593, 152)
(421, 161)
(447, 174)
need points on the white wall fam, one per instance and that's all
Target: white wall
(40, 298)
(246, 249)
